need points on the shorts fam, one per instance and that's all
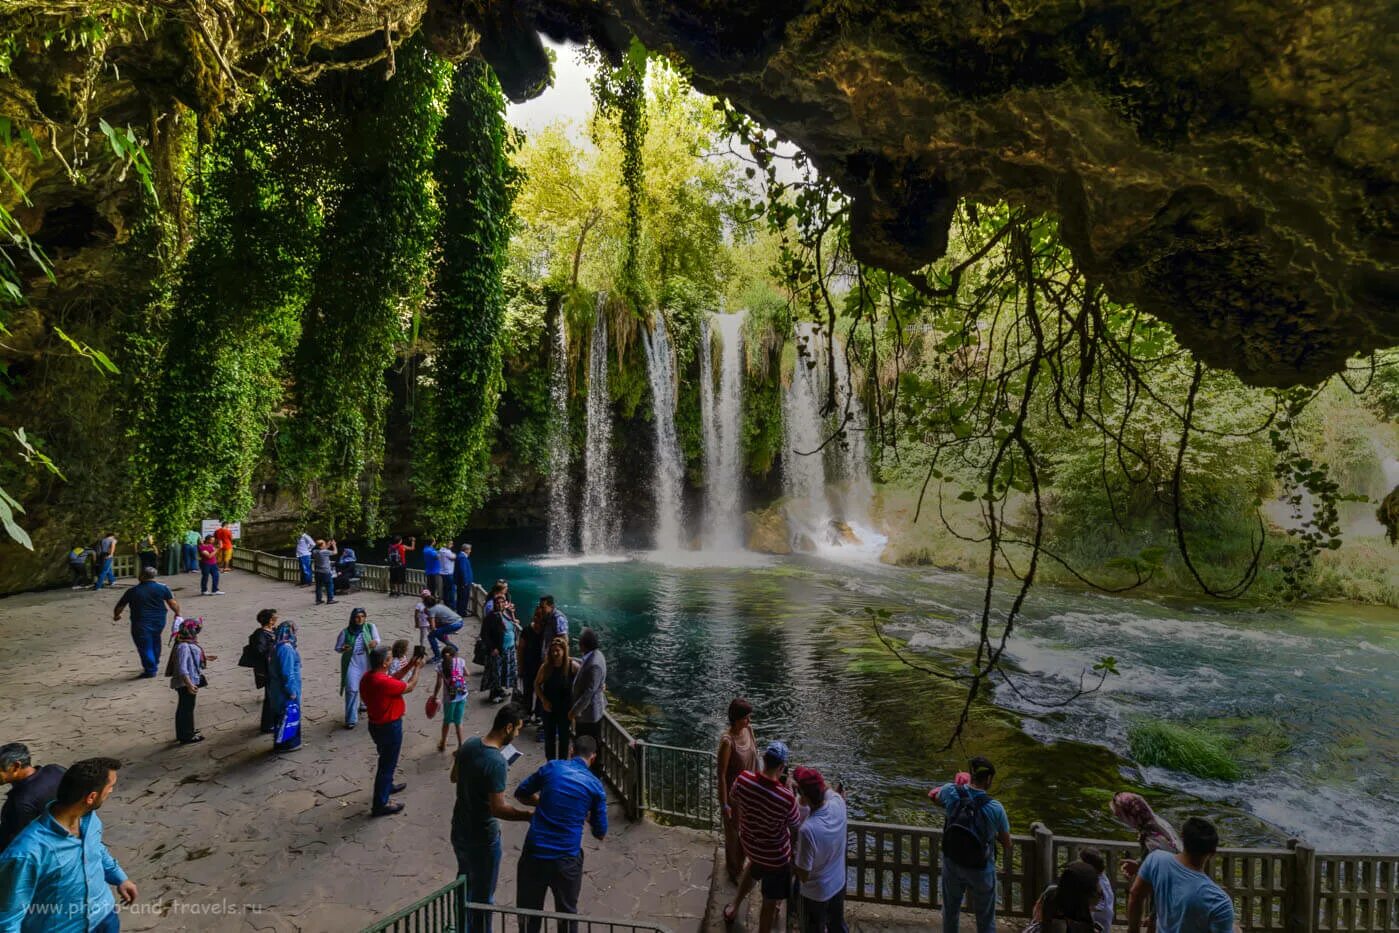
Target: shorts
(775, 883)
(396, 574)
(453, 712)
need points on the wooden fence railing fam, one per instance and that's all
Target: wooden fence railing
(1291, 890)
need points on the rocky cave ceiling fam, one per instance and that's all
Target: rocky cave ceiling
(1228, 165)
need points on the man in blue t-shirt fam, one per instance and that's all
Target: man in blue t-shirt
(148, 601)
(565, 794)
(992, 826)
(1186, 899)
(432, 568)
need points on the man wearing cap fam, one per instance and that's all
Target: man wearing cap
(820, 854)
(767, 813)
(987, 818)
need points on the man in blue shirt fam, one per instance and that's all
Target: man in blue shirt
(991, 825)
(564, 794)
(1186, 899)
(432, 568)
(148, 601)
(54, 877)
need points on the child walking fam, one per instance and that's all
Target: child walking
(451, 681)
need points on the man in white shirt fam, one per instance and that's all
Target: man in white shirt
(447, 561)
(819, 856)
(304, 545)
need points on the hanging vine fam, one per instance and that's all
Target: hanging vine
(372, 277)
(238, 305)
(1024, 358)
(454, 421)
(620, 93)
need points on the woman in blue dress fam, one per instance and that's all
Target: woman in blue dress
(284, 685)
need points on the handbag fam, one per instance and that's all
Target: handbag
(291, 723)
(478, 653)
(432, 705)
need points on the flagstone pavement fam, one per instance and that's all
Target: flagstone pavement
(225, 835)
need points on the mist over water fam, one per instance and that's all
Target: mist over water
(794, 637)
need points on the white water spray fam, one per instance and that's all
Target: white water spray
(560, 480)
(670, 469)
(600, 527)
(723, 441)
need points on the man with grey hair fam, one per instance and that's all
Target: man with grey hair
(148, 601)
(31, 789)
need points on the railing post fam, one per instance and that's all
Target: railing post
(1040, 875)
(1303, 893)
(636, 790)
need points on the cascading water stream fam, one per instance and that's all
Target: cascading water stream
(600, 527)
(670, 469)
(723, 438)
(828, 491)
(560, 479)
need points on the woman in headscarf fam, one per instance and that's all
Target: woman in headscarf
(186, 672)
(284, 684)
(353, 644)
(738, 752)
(1153, 832)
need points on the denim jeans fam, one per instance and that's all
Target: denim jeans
(146, 638)
(824, 916)
(481, 866)
(981, 882)
(325, 581)
(388, 738)
(351, 706)
(305, 561)
(439, 634)
(208, 578)
(189, 555)
(448, 588)
(105, 574)
(110, 924)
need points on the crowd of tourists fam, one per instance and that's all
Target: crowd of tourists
(785, 826)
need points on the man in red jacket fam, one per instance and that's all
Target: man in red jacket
(383, 697)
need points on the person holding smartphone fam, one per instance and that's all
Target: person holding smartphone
(383, 698)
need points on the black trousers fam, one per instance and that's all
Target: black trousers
(184, 715)
(562, 876)
(271, 715)
(556, 735)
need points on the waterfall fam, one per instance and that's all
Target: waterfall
(723, 427)
(828, 493)
(670, 469)
(560, 480)
(600, 527)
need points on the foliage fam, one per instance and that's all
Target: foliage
(238, 305)
(1191, 750)
(455, 423)
(371, 279)
(620, 93)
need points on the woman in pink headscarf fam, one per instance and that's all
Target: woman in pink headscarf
(1153, 832)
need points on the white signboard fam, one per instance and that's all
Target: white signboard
(211, 525)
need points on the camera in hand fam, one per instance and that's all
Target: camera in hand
(419, 651)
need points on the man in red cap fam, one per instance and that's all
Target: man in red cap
(820, 854)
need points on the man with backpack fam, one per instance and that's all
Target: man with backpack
(975, 823)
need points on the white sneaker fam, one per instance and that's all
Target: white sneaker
(219, 593)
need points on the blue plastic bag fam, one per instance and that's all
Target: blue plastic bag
(289, 732)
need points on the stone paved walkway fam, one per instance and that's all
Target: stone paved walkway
(224, 835)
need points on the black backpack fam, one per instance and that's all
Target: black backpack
(962, 839)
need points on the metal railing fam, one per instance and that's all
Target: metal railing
(372, 577)
(1291, 890)
(442, 911)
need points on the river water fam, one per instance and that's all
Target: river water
(1311, 696)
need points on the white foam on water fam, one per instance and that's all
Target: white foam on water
(579, 560)
(699, 560)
